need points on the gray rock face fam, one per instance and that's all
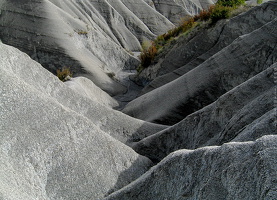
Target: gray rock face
(176, 10)
(53, 143)
(239, 170)
(201, 86)
(93, 38)
(245, 113)
(88, 89)
(64, 140)
(189, 52)
(120, 126)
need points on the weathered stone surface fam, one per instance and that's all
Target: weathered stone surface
(64, 141)
(120, 126)
(245, 113)
(189, 52)
(176, 10)
(242, 59)
(242, 170)
(93, 38)
(88, 89)
(56, 39)
(52, 141)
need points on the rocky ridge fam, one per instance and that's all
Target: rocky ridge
(53, 136)
(201, 84)
(93, 38)
(237, 170)
(64, 140)
(182, 58)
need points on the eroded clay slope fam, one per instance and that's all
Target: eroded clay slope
(93, 38)
(190, 51)
(245, 57)
(245, 113)
(57, 143)
(237, 170)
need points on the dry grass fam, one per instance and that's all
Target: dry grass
(64, 74)
(147, 55)
(82, 32)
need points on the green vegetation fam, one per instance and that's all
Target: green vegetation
(64, 74)
(231, 3)
(221, 10)
(148, 54)
(259, 1)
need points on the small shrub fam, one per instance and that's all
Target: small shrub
(259, 1)
(64, 74)
(146, 44)
(151, 49)
(230, 3)
(204, 15)
(147, 56)
(173, 32)
(186, 24)
(220, 12)
(160, 41)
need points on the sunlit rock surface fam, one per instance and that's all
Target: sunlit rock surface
(57, 143)
(202, 44)
(245, 113)
(245, 57)
(242, 170)
(93, 38)
(215, 90)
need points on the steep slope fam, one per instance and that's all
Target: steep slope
(93, 38)
(55, 143)
(182, 58)
(176, 10)
(216, 89)
(242, 170)
(120, 126)
(245, 113)
(242, 59)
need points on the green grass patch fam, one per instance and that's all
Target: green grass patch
(220, 12)
(231, 3)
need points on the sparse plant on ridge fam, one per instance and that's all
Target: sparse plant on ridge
(204, 15)
(151, 48)
(148, 54)
(64, 74)
(221, 10)
(231, 3)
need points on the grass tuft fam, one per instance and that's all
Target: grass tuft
(64, 74)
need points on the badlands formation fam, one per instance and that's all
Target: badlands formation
(201, 124)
